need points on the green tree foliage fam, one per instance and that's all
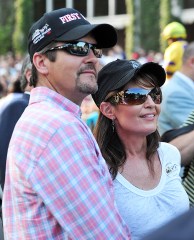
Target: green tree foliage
(149, 24)
(143, 30)
(6, 25)
(165, 18)
(23, 20)
(129, 31)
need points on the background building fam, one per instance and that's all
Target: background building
(114, 12)
(106, 11)
(138, 22)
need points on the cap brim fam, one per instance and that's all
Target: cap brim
(150, 67)
(156, 70)
(117, 74)
(104, 34)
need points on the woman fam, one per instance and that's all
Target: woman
(147, 185)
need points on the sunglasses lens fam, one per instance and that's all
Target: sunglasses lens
(82, 49)
(156, 95)
(79, 49)
(97, 52)
(135, 96)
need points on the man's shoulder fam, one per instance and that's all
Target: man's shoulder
(19, 101)
(174, 86)
(46, 117)
(13, 110)
(177, 45)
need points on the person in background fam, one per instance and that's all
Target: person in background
(1, 90)
(57, 183)
(178, 97)
(11, 110)
(3, 87)
(1, 222)
(147, 185)
(180, 228)
(26, 73)
(112, 54)
(182, 138)
(89, 112)
(175, 35)
(142, 56)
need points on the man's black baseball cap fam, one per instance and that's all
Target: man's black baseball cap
(118, 73)
(67, 24)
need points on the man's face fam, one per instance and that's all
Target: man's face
(74, 76)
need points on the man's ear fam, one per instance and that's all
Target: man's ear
(40, 62)
(107, 110)
(191, 61)
(28, 75)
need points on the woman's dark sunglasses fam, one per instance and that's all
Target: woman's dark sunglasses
(79, 49)
(136, 96)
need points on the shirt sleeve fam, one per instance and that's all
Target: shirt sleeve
(73, 181)
(178, 108)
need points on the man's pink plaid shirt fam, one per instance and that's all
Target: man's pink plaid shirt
(57, 183)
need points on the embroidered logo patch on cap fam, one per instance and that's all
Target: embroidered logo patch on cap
(40, 33)
(135, 64)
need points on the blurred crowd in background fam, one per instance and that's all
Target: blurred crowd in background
(10, 67)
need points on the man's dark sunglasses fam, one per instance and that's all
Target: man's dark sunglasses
(79, 49)
(136, 96)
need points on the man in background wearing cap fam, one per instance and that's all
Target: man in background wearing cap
(178, 97)
(57, 184)
(177, 105)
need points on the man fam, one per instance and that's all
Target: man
(178, 97)
(175, 35)
(57, 183)
(11, 109)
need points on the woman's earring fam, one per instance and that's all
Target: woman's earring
(113, 125)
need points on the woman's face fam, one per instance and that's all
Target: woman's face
(137, 119)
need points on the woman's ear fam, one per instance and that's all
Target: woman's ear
(107, 110)
(39, 61)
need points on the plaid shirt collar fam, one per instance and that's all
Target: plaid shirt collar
(39, 94)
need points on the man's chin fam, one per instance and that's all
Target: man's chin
(90, 90)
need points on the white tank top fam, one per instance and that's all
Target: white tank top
(144, 211)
